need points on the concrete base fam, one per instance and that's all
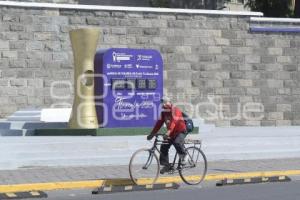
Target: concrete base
(26, 128)
(54, 122)
(24, 123)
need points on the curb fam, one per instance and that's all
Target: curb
(23, 195)
(272, 179)
(131, 188)
(123, 182)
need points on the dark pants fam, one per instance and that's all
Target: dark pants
(178, 143)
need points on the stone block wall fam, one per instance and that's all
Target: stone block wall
(213, 63)
(48, 1)
(192, 4)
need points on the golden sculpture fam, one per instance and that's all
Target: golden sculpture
(84, 44)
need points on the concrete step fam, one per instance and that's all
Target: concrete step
(28, 114)
(95, 144)
(67, 151)
(31, 125)
(279, 154)
(123, 159)
(233, 132)
(6, 132)
(83, 161)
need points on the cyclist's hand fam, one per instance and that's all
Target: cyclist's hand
(166, 137)
(149, 137)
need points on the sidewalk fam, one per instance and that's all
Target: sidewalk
(235, 143)
(61, 174)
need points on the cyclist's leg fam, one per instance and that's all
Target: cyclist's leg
(179, 144)
(164, 154)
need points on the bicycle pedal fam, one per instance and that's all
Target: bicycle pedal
(171, 170)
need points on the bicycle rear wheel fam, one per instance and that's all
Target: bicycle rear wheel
(195, 169)
(144, 165)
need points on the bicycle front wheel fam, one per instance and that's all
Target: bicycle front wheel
(144, 165)
(195, 169)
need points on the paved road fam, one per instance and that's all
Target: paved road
(270, 191)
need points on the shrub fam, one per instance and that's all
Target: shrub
(272, 8)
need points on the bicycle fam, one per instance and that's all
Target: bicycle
(144, 163)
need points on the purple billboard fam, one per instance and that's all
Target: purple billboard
(128, 87)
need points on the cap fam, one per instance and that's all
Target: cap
(165, 100)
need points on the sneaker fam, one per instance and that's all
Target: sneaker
(165, 169)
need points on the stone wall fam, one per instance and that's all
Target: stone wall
(48, 1)
(192, 4)
(140, 3)
(209, 59)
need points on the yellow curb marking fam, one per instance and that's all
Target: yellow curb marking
(119, 182)
(162, 180)
(50, 186)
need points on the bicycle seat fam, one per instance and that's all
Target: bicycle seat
(191, 141)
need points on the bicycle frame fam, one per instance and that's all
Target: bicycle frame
(193, 150)
(154, 148)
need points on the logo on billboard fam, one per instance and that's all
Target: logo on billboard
(144, 57)
(128, 66)
(118, 57)
(143, 66)
(114, 66)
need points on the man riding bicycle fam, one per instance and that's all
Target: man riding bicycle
(172, 117)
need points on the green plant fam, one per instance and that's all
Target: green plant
(297, 8)
(272, 8)
(160, 3)
(188, 4)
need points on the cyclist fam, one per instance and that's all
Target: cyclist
(172, 117)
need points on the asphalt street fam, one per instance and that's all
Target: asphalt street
(267, 191)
